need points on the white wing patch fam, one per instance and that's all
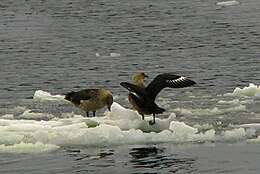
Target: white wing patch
(135, 94)
(176, 81)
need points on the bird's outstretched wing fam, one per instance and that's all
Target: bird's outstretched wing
(133, 88)
(167, 80)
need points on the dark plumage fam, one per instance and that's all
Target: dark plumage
(91, 99)
(143, 98)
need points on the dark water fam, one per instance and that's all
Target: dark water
(59, 46)
(139, 159)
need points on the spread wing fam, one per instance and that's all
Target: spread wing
(167, 80)
(133, 88)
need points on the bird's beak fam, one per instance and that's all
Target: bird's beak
(146, 76)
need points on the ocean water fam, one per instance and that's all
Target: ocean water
(49, 48)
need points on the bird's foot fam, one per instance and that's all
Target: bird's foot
(151, 122)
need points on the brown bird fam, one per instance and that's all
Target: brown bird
(91, 99)
(143, 98)
(138, 79)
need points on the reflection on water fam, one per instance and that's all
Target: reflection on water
(155, 159)
(90, 160)
(144, 159)
(59, 46)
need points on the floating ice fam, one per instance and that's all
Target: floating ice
(121, 126)
(234, 135)
(42, 95)
(110, 55)
(8, 116)
(232, 102)
(22, 147)
(181, 130)
(127, 119)
(250, 91)
(209, 111)
(255, 126)
(255, 140)
(115, 54)
(35, 116)
(228, 3)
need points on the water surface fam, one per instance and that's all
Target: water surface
(59, 46)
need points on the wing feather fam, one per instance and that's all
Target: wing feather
(167, 80)
(133, 88)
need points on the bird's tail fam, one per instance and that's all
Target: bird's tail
(159, 110)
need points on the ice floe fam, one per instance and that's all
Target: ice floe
(210, 111)
(249, 91)
(42, 95)
(28, 114)
(121, 126)
(37, 147)
(42, 132)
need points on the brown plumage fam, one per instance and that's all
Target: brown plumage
(138, 79)
(91, 99)
(143, 98)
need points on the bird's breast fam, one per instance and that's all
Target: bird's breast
(88, 105)
(136, 101)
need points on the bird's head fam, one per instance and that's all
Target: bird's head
(69, 96)
(109, 101)
(107, 98)
(138, 78)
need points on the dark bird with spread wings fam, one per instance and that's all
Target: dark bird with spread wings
(143, 98)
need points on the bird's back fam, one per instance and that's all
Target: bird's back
(77, 97)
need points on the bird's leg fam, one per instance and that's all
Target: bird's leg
(152, 122)
(94, 113)
(87, 114)
(142, 116)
